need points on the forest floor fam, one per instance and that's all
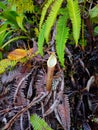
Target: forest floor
(73, 97)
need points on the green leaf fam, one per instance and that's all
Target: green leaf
(41, 39)
(3, 34)
(96, 30)
(10, 17)
(38, 123)
(3, 29)
(94, 14)
(61, 37)
(74, 13)
(1, 55)
(19, 20)
(52, 17)
(44, 12)
(2, 6)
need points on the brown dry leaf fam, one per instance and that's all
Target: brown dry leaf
(64, 112)
(19, 54)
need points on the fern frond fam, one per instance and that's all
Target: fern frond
(38, 123)
(41, 39)
(49, 2)
(61, 37)
(52, 16)
(75, 17)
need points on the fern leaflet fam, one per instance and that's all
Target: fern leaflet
(44, 12)
(38, 123)
(52, 16)
(74, 13)
(61, 37)
(41, 39)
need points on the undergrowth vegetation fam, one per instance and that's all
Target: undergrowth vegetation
(70, 11)
(30, 32)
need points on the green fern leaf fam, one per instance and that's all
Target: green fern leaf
(41, 39)
(61, 37)
(44, 12)
(74, 13)
(38, 123)
(52, 16)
